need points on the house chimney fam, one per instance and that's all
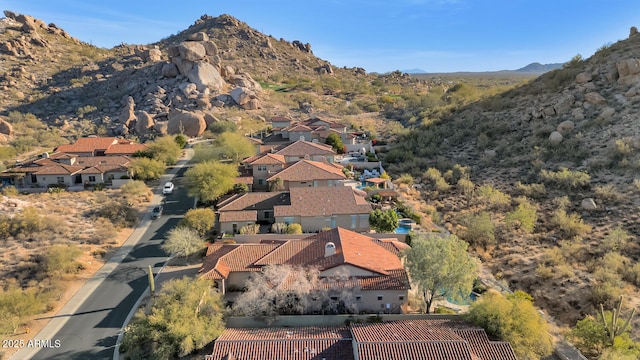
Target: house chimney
(329, 249)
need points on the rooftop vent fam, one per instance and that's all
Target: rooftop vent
(329, 249)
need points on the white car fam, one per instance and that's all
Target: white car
(168, 188)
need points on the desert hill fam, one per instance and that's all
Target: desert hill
(569, 142)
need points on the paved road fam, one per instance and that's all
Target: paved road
(92, 329)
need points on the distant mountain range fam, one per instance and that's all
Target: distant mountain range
(533, 68)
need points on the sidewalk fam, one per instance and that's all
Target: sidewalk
(59, 320)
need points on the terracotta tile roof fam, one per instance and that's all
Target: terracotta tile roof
(309, 170)
(460, 340)
(319, 122)
(452, 350)
(247, 180)
(297, 127)
(254, 201)
(394, 340)
(308, 343)
(376, 180)
(102, 160)
(266, 159)
(394, 280)
(124, 149)
(58, 169)
(302, 148)
(310, 201)
(247, 215)
(225, 258)
(351, 249)
(88, 144)
(357, 250)
(280, 119)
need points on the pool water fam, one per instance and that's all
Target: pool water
(402, 230)
(465, 300)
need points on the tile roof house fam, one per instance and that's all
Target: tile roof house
(306, 150)
(306, 173)
(262, 167)
(372, 266)
(415, 339)
(100, 146)
(317, 208)
(245, 209)
(314, 208)
(68, 170)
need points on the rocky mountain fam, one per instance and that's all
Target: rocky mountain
(182, 83)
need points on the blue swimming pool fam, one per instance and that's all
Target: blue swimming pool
(402, 230)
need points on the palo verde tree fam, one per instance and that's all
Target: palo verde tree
(210, 180)
(183, 241)
(441, 267)
(513, 318)
(234, 146)
(186, 315)
(199, 220)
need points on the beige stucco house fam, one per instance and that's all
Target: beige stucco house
(372, 267)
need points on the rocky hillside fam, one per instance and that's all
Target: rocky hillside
(568, 141)
(183, 83)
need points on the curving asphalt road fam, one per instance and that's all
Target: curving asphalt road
(87, 327)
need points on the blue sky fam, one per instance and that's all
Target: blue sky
(380, 36)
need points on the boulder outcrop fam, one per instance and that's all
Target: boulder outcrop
(185, 122)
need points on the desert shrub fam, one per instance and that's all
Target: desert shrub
(616, 240)
(83, 110)
(104, 232)
(383, 221)
(181, 140)
(479, 229)
(118, 212)
(565, 178)
(135, 189)
(9, 191)
(61, 260)
(492, 197)
(607, 288)
(524, 216)
(294, 229)
(406, 179)
(241, 188)
(279, 228)
(544, 272)
(16, 305)
(569, 225)
(622, 148)
(251, 229)
(534, 191)
(632, 274)
(608, 193)
(561, 202)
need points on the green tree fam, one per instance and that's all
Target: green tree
(335, 141)
(199, 220)
(186, 315)
(165, 149)
(441, 267)
(234, 146)
(183, 242)
(210, 180)
(383, 221)
(515, 319)
(146, 169)
(181, 140)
